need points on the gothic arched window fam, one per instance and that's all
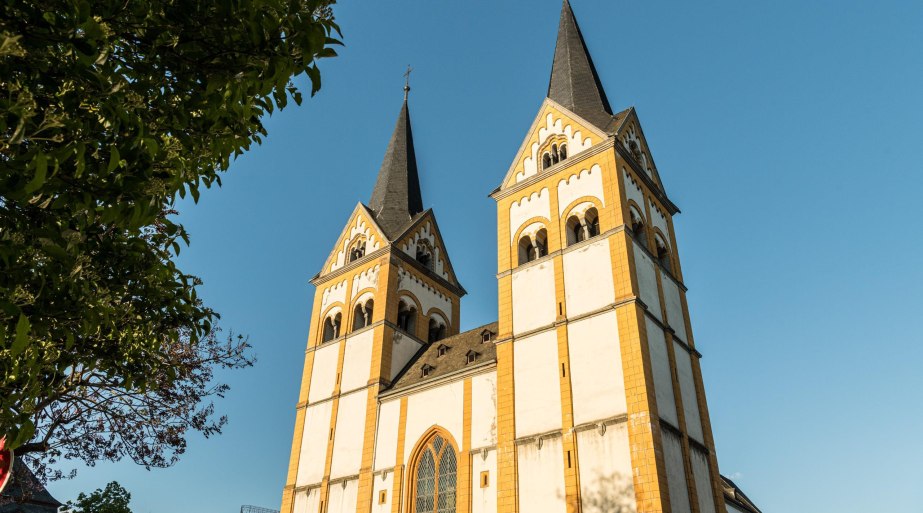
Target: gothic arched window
(435, 478)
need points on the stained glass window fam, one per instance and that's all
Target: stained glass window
(436, 478)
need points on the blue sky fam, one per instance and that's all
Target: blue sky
(788, 133)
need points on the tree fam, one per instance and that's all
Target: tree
(112, 499)
(110, 111)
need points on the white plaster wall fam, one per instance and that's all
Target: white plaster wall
(605, 470)
(588, 278)
(588, 182)
(597, 381)
(484, 410)
(675, 317)
(389, 414)
(359, 227)
(541, 477)
(484, 500)
(307, 501)
(702, 475)
(647, 281)
(333, 294)
(429, 297)
(676, 472)
(426, 232)
(633, 190)
(659, 220)
(357, 361)
(441, 406)
(342, 497)
(576, 142)
(324, 372)
(536, 384)
(382, 482)
(349, 434)
(534, 303)
(366, 279)
(402, 350)
(663, 377)
(313, 455)
(687, 389)
(537, 204)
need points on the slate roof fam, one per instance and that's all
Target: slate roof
(734, 495)
(396, 198)
(574, 82)
(25, 494)
(454, 360)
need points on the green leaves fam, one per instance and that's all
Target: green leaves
(110, 112)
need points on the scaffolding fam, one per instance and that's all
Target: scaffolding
(256, 509)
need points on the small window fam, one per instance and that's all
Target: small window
(486, 336)
(362, 315)
(382, 496)
(436, 330)
(357, 251)
(442, 350)
(541, 243)
(485, 479)
(554, 154)
(425, 256)
(406, 318)
(663, 252)
(563, 151)
(472, 356)
(637, 223)
(546, 161)
(332, 327)
(426, 370)
(525, 250)
(575, 230)
(591, 221)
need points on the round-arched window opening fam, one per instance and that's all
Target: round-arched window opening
(357, 251)
(591, 221)
(406, 317)
(546, 161)
(436, 330)
(331, 327)
(562, 151)
(526, 254)
(663, 252)
(637, 223)
(575, 232)
(362, 314)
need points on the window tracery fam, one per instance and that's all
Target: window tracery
(435, 478)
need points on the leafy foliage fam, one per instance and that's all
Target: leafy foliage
(111, 110)
(112, 499)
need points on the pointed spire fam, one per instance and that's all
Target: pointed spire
(396, 197)
(574, 83)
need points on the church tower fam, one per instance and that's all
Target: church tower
(601, 403)
(386, 291)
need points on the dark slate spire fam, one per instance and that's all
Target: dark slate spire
(396, 197)
(574, 83)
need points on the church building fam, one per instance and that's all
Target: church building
(585, 396)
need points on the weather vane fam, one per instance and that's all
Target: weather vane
(407, 81)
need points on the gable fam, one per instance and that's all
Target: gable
(424, 236)
(631, 138)
(361, 226)
(553, 126)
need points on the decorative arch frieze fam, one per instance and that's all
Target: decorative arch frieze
(427, 296)
(586, 182)
(536, 204)
(358, 229)
(425, 237)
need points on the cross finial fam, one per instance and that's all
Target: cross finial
(407, 81)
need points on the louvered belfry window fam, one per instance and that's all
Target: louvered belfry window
(436, 478)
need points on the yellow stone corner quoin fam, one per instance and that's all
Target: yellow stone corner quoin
(585, 396)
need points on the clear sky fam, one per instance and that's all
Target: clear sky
(789, 133)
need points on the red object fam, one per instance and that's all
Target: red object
(6, 463)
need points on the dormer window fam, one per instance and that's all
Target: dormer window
(442, 350)
(486, 336)
(472, 356)
(426, 370)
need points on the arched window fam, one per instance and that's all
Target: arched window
(554, 153)
(357, 251)
(436, 330)
(637, 223)
(540, 244)
(562, 151)
(407, 318)
(575, 232)
(332, 327)
(525, 250)
(362, 315)
(591, 221)
(546, 161)
(663, 252)
(424, 256)
(435, 478)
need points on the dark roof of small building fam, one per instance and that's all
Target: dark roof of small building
(574, 82)
(734, 495)
(26, 494)
(455, 359)
(396, 198)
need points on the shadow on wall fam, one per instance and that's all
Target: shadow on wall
(609, 493)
